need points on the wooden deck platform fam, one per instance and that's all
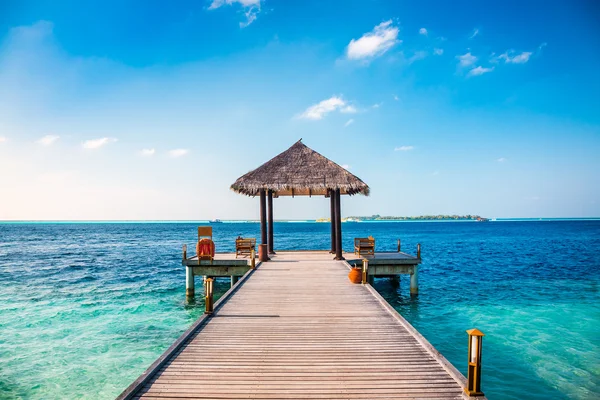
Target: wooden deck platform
(223, 264)
(296, 328)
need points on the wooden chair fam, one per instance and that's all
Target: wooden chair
(244, 246)
(205, 232)
(364, 246)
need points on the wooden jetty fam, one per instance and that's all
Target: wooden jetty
(296, 328)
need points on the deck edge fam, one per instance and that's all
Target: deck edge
(134, 387)
(447, 365)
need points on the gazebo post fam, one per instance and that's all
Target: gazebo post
(263, 250)
(338, 226)
(332, 219)
(270, 217)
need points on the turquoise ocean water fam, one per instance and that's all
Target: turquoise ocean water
(86, 307)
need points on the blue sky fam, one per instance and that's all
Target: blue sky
(150, 110)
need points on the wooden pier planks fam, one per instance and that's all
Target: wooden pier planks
(298, 329)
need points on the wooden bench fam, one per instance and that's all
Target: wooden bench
(244, 246)
(364, 246)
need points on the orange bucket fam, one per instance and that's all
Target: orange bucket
(355, 275)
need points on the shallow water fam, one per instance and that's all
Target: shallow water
(85, 308)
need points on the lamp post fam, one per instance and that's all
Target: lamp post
(209, 296)
(474, 373)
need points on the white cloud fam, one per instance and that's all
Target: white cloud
(396, 98)
(515, 59)
(377, 105)
(438, 52)
(404, 148)
(147, 152)
(479, 71)
(3, 139)
(345, 166)
(474, 33)
(48, 140)
(423, 31)
(466, 59)
(97, 143)
(251, 8)
(319, 110)
(501, 159)
(251, 15)
(375, 43)
(349, 109)
(178, 152)
(243, 3)
(419, 55)
(349, 122)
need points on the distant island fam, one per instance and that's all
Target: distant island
(440, 217)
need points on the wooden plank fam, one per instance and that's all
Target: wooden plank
(165, 357)
(298, 329)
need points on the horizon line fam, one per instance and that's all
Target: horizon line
(282, 220)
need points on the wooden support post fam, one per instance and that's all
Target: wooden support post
(365, 271)
(399, 246)
(263, 217)
(270, 218)
(419, 251)
(338, 226)
(263, 250)
(395, 281)
(208, 300)
(252, 259)
(414, 281)
(184, 252)
(189, 281)
(332, 220)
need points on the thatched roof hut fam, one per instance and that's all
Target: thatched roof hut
(299, 171)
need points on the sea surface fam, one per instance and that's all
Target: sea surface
(86, 307)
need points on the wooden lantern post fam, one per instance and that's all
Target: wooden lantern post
(474, 373)
(208, 300)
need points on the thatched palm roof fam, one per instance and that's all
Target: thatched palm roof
(299, 171)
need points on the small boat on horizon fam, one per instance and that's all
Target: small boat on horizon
(215, 221)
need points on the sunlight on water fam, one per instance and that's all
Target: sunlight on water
(86, 308)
